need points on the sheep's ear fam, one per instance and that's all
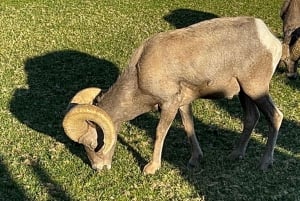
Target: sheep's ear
(89, 139)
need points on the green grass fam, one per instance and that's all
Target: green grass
(52, 49)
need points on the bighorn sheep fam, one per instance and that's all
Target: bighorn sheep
(290, 15)
(217, 58)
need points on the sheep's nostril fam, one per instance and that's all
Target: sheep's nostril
(100, 167)
(97, 167)
(108, 167)
(292, 75)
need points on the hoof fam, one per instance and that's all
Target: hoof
(264, 166)
(292, 76)
(235, 155)
(151, 168)
(191, 166)
(194, 162)
(266, 162)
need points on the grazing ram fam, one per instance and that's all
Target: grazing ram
(290, 15)
(217, 58)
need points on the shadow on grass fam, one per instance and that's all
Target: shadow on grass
(9, 189)
(294, 84)
(185, 17)
(54, 190)
(53, 79)
(222, 179)
(218, 178)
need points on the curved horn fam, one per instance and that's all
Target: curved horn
(75, 124)
(81, 110)
(85, 96)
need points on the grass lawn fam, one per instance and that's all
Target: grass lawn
(51, 49)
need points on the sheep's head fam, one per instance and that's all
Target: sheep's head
(91, 126)
(290, 57)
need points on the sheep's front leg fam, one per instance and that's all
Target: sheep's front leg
(188, 123)
(168, 113)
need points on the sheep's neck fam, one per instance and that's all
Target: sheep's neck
(124, 100)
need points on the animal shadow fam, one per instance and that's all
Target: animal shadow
(8, 187)
(294, 83)
(53, 79)
(180, 18)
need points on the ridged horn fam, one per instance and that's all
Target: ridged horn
(85, 96)
(75, 122)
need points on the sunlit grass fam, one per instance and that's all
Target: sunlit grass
(51, 49)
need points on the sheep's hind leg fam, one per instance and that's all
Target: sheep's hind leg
(250, 119)
(188, 123)
(274, 118)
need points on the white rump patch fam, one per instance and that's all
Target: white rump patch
(269, 41)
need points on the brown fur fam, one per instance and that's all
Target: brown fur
(290, 15)
(218, 58)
